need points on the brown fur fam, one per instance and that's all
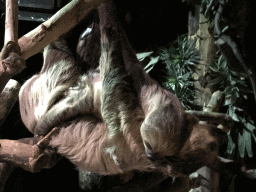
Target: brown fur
(115, 119)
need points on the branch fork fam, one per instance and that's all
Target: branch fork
(29, 154)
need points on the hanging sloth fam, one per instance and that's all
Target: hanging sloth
(112, 117)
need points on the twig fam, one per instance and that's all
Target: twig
(220, 118)
(46, 140)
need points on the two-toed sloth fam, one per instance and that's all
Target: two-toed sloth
(113, 117)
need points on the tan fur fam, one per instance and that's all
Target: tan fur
(83, 143)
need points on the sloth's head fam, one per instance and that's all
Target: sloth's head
(178, 142)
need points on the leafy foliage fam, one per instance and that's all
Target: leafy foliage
(180, 59)
(235, 88)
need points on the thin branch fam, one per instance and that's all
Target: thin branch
(219, 118)
(46, 140)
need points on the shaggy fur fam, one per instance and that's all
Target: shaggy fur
(114, 118)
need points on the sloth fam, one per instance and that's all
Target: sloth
(112, 117)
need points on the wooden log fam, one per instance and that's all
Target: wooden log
(11, 21)
(8, 98)
(59, 24)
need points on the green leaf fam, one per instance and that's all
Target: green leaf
(241, 145)
(154, 60)
(151, 64)
(225, 29)
(232, 114)
(180, 59)
(250, 126)
(248, 143)
(234, 97)
(231, 145)
(149, 69)
(239, 74)
(142, 56)
(227, 102)
(228, 90)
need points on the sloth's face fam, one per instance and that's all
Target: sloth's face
(200, 149)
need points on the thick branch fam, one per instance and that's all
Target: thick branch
(19, 154)
(11, 35)
(10, 63)
(8, 98)
(26, 156)
(11, 21)
(60, 23)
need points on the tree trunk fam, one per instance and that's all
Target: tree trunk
(205, 44)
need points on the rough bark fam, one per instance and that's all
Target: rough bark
(7, 60)
(11, 22)
(24, 153)
(8, 98)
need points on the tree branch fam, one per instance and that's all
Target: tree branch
(60, 23)
(8, 98)
(24, 153)
(11, 21)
